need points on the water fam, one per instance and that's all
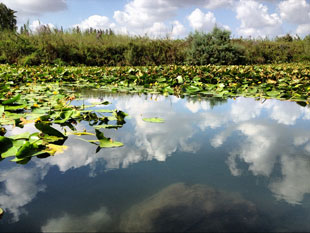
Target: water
(214, 165)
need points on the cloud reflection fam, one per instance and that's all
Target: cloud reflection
(264, 143)
(97, 221)
(20, 186)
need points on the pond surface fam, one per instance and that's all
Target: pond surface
(213, 165)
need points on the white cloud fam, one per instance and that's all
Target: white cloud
(295, 11)
(284, 112)
(219, 3)
(303, 29)
(197, 106)
(158, 29)
(294, 183)
(96, 22)
(212, 120)
(178, 30)
(158, 140)
(260, 149)
(244, 109)
(20, 186)
(37, 26)
(256, 21)
(202, 21)
(76, 156)
(35, 7)
(143, 16)
(96, 221)
(143, 13)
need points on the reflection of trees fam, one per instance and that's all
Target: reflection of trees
(181, 207)
(213, 101)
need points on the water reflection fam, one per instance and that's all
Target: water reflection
(196, 208)
(96, 221)
(268, 139)
(19, 187)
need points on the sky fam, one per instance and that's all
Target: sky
(172, 18)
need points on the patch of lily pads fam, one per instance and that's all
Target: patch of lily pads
(280, 81)
(49, 108)
(43, 95)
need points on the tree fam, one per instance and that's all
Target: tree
(213, 48)
(7, 18)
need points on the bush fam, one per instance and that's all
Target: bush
(214, 48)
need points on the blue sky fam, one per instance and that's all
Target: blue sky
(173, 18)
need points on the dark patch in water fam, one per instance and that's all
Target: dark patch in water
(196, 208)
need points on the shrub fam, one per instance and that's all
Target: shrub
(214, 48)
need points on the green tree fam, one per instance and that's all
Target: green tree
(214, 48)
(7, 18)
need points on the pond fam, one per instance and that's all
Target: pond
(213, 165)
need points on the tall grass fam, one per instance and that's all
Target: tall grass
(100, 48)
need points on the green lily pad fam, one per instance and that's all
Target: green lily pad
(154, 120)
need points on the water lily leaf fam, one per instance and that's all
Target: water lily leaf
(81, 133)
(1, 110)
(154, 120)
(21, 160)
(49, 139)
(103, 110)
(5, 144)
(14, 107)
(52, 149)
(25, 135)
(180, 79)
(12, 100)
(47, 129)
(106, 142)
(17, 144)
(109, 143)
(66, 116)
(25, 150)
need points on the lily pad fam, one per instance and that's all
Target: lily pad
(154, 120)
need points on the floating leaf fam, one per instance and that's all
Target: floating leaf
(154, 120)
(12, 100)
(52, 149)
(5, 144)
(47, 129)
(81, 133)
(106, 142)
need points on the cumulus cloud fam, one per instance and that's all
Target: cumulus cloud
(256, 20)
(178, 30)
(143, 13)
(142, 16)
(96, 22)
(202, 21)
(159, 140)
(244, 109)
(20, 187)
(296, 12)
(294, 184)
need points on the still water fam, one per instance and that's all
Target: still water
(214, 165)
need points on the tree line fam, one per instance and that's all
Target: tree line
(104, 47)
